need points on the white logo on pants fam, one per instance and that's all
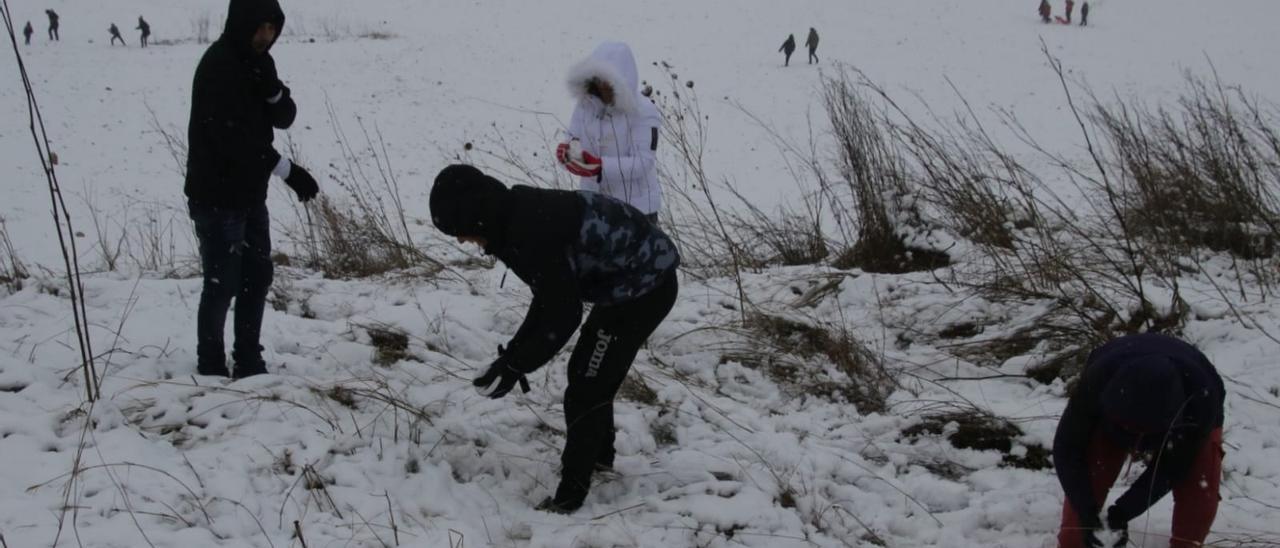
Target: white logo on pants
(602, 346)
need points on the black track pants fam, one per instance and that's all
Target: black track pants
(608, 343)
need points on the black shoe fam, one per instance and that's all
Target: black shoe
(549, 504)
(212, 370)
(244, 370)
(248, 364)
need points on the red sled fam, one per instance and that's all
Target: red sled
(1060, 20)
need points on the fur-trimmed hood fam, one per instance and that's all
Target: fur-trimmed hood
(614, 63)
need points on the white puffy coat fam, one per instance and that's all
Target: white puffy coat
(624, 135)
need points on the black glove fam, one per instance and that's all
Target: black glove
(266, 83)
(302, 183)
(1090, 538)
(499, 379)
(1118, 525)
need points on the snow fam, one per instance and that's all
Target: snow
(724, 455)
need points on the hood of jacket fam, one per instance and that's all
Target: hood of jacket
(1145, 396)
(466, 202)
(245, 16)
(614, 63)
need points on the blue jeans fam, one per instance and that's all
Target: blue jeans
(235, 254)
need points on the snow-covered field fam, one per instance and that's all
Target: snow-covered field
(402, 451)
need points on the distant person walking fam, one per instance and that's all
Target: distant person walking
(27, 31)
(788, 48)
(1045, 11)
(115, 35)
(812, 43)
(53, 24)
(1071, 6)
(1084, 14)
(146, 30)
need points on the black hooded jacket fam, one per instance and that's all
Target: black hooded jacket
(568, 247)
(229, 138)
(789, 45)
(1149, 393)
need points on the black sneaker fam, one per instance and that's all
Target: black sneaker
(549, 504)
(213, 369)
(244, 370)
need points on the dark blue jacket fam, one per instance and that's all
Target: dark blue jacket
(1149, 393)
(568, 247)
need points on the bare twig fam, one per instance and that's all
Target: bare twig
(395, 531)
(252, 515)
(297, 529)
(61, 216)
(127, 464)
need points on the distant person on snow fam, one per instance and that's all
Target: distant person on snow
(115, 35)
(613, 133)
(27, 31)
(1045, 11)
(1141, 395)
(787, 48)
(146, 30)
(236, 100)
(570, 247)
(1071, 6)
(812, 43)
(53, 24)
(1084, 13)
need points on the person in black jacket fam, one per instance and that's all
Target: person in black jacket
(115, 35)
(1084, 13)
(788, 47)
(27, 31)
(53, 24)
(570, 248)
(812, 43)
(1150, 395)
(146, 30)
(236, 100)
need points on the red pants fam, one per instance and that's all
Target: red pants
(1195, 498)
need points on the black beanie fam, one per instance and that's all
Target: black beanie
(1145, 394)
(465, 201)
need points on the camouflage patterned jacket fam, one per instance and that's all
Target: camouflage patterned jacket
(570, 248)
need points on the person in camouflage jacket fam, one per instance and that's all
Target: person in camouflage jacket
(570, 248)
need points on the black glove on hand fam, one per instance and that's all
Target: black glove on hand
(1090, 538)
(1119, 526)
(302, 183)
(266, 83)
(499, 379)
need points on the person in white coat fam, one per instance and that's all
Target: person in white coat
(613, 134)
